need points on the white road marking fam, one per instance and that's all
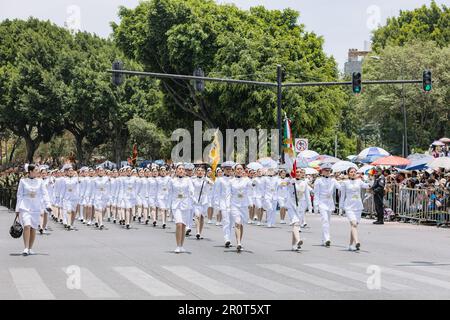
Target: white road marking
(29, 284)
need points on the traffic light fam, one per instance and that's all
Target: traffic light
(356, 82)
(426, 82)
(117, 78)
(199, 84)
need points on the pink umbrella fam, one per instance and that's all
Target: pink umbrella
(444, 140)
(391, 161)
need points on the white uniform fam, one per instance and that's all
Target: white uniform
(298, 206)
(162, 197)
(127, 192)
(350, 198)
(48, 184)
(283, 191)
(114, 186)
(152, 192)
(239, 198)
(141, 188)
(101, 192)
(70, 194)
(324, 191)
(270, 198)
(181, 193)
(31, 195)
(201, 195)
(259, 186)
(223, 185)
(59, 182)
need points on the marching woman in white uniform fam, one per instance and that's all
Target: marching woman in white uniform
(113, 196)
(324, 190)
(70, 195)
(181, 193)
(259, 188)
(162, 197)
(283, 193)
(215, 196)
(299, 200)
(200, 183)
(350, 201)
(152, 194)
(128, 194)
(101, 192)
(140, 194)
(210, 211)
(31, 195)
(238, 201)
(59, 182)
(223, 185)
(270, 197)
(48, 184)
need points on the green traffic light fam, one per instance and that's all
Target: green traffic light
(428, 87)
(357, 90)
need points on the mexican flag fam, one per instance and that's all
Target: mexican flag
(288, 148)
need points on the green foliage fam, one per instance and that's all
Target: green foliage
(151, 140)
(177, 36)
(424, 23)
(428, 114)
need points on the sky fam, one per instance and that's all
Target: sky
(343, 24)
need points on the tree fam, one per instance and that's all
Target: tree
(31, 88)
(424, 23)
(177, 36)
(428, 114)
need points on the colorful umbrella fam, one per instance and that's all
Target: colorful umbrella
(438, 143)
(445, 140)
(365, 168)
(419, 163)
(327, 159)
(391, 161)
(370, 154)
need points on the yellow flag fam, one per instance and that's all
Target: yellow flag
(214, 154)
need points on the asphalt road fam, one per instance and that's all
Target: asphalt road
(396, 261)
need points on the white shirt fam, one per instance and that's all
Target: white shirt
(302, 189)
(181, 193)
(350, 196)
(324, 191)
(31, 194)
(239, 192)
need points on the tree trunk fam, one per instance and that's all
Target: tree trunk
(79, 147)
(31, 146)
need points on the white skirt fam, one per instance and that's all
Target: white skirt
(200, 210)
(31, 219)
(181, 216)
(353, 216)
(151, 202)
(70, 205)
(128, 203)
(100, 204)
(295, 215)
(162, 204)
(282, 202)
(258, 203)
(239, 214)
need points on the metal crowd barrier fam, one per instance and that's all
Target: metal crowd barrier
(427, 205)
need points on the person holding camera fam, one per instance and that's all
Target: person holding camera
(31, 196)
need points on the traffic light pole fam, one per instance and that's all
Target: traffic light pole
(279, 85)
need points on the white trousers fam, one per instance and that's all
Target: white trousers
(271, 212)
(190, 217)
(227, 224)
(326, 216)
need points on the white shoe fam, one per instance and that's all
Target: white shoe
(219, 224)
(182, 250)
(30, 252)
(282, 222)
(209, 222)
(25, 252)
(270, 226)
(295, 248)
(351, 248)
(249, 221)
(258, 223)
(303, 225)
(177, 250)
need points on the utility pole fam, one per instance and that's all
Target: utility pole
(279, 97)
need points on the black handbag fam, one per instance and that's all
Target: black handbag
(16, 229)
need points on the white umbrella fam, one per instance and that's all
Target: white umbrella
(268, 163)
(364, 169)
(372, 151)
(438, 143)
(352, 157)
(309, 171)
(309, 154)
(441, 162)
(254, 166)
(343, 166)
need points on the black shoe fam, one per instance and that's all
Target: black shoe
(109, 219)
(378, 222)
(164, 226)
(41, 231)
(358, 245)
(114, 221)
(299, 244)
(96, 224)
(154, 223)
(134, 218)
(82, 220)
(139, 219)
(128, 226)
(239, 248)
(227, 244)
(327, 243)
(101, 227)
(146, 221)
(197, 236)
(188, 232)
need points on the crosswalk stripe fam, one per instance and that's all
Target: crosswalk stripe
(308, 278)
(92, 286)
(412, 276)
(146, 282)
(362, 277)
(200, 280)
(265, 283)
(29, 284)
(432, 269)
